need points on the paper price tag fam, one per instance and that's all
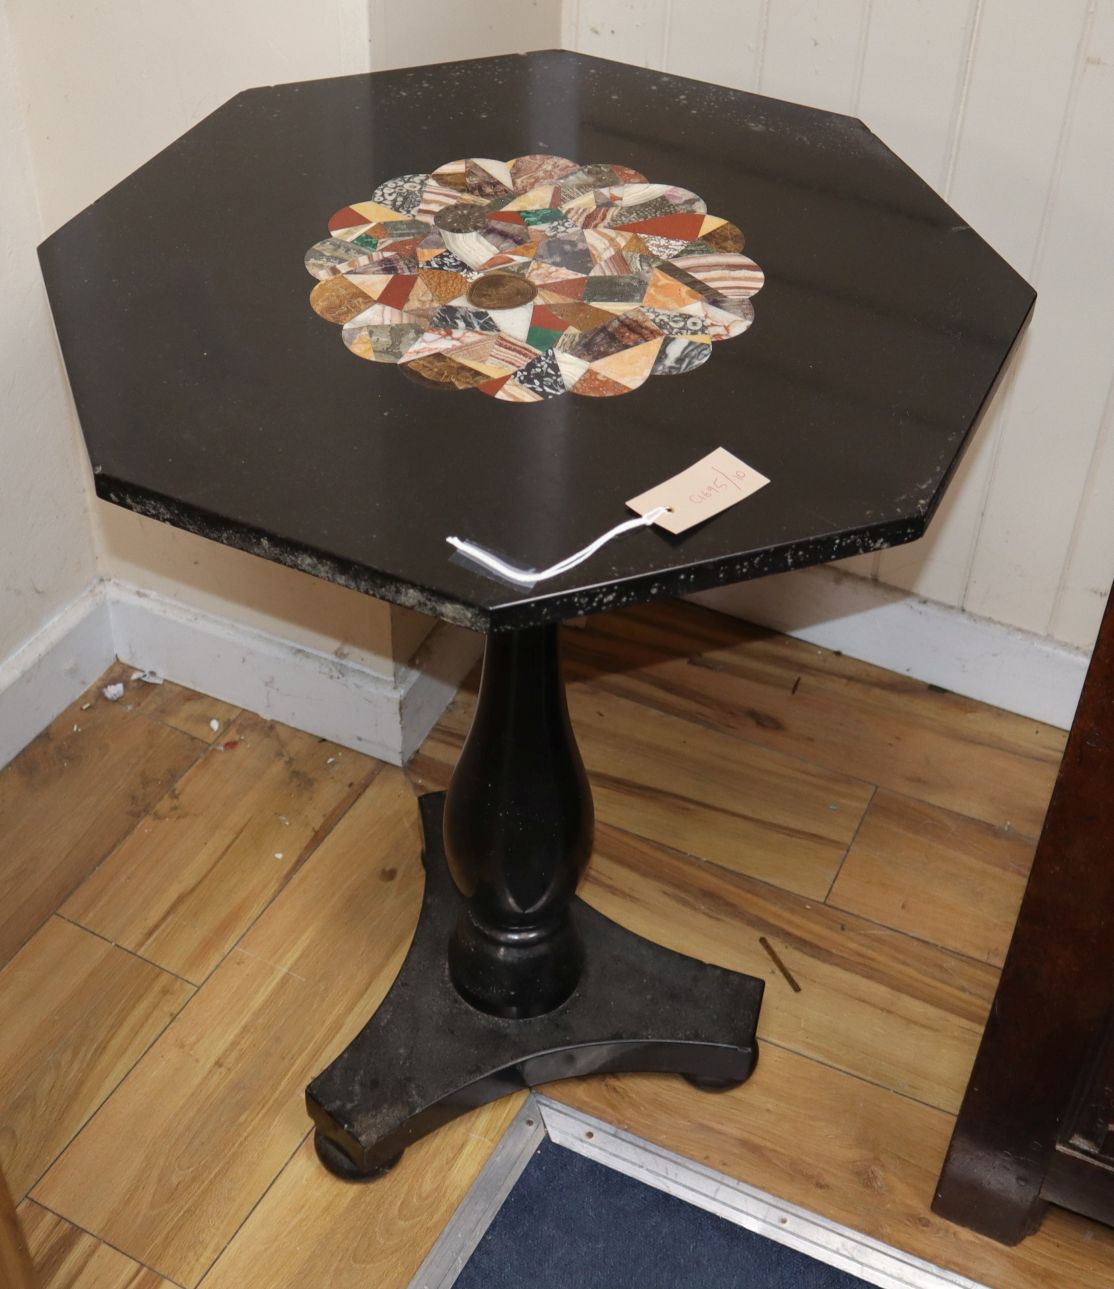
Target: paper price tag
(714, 483)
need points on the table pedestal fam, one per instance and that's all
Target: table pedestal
(511, 981)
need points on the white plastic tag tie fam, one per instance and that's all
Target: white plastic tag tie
(527, 577)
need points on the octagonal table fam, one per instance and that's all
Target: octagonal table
(213, 397)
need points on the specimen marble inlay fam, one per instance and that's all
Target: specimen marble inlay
(532, 278)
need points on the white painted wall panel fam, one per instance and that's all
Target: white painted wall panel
(1021, 77)
(913, 76)
(814, 52)
(1090, 568)
(630, 31)
(1060, 394)
(910, 93)
(432, 31)
(46, 535)
(723, 46)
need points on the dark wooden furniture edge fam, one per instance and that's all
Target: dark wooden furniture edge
(1013, 1150)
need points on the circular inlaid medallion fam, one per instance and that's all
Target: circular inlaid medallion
(501, 291)
(532, 278)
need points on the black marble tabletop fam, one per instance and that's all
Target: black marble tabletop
(213, 397)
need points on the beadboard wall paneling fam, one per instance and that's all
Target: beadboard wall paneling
(1086, 579)
(813, 51)
(434, 31)
(735, 56)
(1001, 168)
(1007, 108)
(914, 71)
(46, 556)
(1024, 550)
(630, 31)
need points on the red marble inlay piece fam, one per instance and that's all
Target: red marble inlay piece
(408, 247)
(346, 218)
(571, 288)
(508, 216)
(397, 291)
(595, 385)
(494, 386)
(543, 317)
(682, 227)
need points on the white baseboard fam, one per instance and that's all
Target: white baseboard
(51, 669)
(357, 708)
(335, 698)
(332, 697)
(943, 646)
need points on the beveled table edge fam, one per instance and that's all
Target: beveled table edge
(514, 615)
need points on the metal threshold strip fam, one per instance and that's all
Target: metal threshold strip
(765, 1215)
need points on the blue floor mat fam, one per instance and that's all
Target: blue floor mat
(570, 1223)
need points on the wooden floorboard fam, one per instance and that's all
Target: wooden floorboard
(897, 1012)
(848, 716)
(75, 1015)
(936, 875)
(214, 1110)
(702, 791)
(183, 709)
(872, 831)
(183, 887)
(904, 1013)
(312, 1230)
(72, 795)
(68, 1258)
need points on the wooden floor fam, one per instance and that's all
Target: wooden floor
(195, 920)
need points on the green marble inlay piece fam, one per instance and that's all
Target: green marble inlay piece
(369, 243)
(546, 215)
(542, 337)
